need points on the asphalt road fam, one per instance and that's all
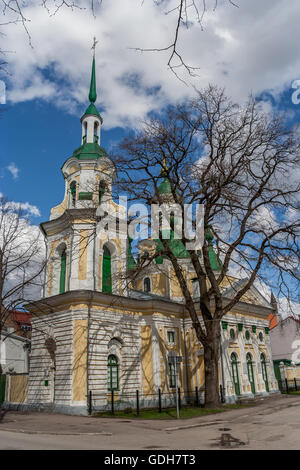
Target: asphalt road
(265, 427)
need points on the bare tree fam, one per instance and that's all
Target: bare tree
(241, 164)
(22, 260)
(185, 13)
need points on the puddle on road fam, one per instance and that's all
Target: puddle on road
(227, 440)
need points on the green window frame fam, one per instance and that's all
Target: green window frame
(172, 375)
(264, 371)
(62, 279)
(235, 373)
(106, 271)
(250, 372)
(113, 373)
(85, 196)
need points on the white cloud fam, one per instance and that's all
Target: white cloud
(250, 48)
(23, 246)
(14, 170)
(25, 207)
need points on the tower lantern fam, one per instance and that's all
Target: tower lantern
(91, 120)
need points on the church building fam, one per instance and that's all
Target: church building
(94, 334)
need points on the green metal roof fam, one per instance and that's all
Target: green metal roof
(177, 247)
(214, 260)
(89, 152)
(91, 109)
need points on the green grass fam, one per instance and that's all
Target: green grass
(169, 413)
(294, 393)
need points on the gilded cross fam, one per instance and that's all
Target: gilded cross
(94, 45)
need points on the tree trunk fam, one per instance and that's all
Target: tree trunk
(211, 363)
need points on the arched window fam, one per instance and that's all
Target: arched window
(85, 132)
(147, 285)
(264, 371)
(235, 373)
(113, 373)
(73, 192)
(96, 138)
(232, 334)
(62, 279)
(250, 372)
(106, 271)
(102, 188)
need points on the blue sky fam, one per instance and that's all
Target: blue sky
(38, 138)
(253, 48)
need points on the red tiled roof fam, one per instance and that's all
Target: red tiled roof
(21, 317)
(272, 320)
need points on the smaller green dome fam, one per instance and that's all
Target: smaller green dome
(165, 187)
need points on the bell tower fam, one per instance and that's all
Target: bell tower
(81, 257)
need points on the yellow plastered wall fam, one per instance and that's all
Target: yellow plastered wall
(158, 282)
(79, 362)
(82, 262)
(18, 388)
(189, 360)
(147, 366)
(162, 359)
(290, 373)
(194, 362)
(72, 169)
(139, 284)
(175, 287)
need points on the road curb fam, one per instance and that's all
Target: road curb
(103, 433)
(198, 425)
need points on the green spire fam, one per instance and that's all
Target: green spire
(93, 93)
(91, 109)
